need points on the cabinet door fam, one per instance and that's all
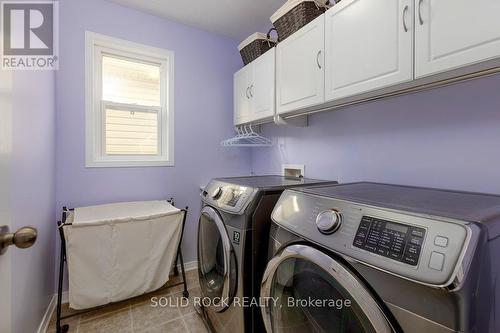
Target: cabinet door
(262, 87)
(300, 77)
(368, 45)
(242, 112)
(454, 33)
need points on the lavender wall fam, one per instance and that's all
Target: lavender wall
(448, 137)
(204, 67)
(33, 193)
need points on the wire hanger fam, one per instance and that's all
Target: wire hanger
(247, 137)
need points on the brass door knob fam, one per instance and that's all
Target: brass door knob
(23, 238)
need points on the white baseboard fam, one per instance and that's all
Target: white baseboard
(44, 325)
(189, 266)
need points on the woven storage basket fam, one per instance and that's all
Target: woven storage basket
(255, 46)
(298, 16)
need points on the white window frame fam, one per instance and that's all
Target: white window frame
(95, 46)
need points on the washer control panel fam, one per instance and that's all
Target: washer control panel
(396, 241)
(422, 248)
(228, 197)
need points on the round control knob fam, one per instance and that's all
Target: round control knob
(329, 221)
(217, 193)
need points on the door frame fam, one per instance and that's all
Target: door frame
(5, 214)
(354, 287)
(229, 283)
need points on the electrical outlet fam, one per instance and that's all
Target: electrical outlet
(294, 170)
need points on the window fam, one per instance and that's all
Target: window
(129, 104)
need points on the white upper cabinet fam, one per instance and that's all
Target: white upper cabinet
(242, 82)
(254, 90)
(454, 33)
(368, 45)
(300, 77)
(262, 89)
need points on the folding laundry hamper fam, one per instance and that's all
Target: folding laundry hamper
(117, 252)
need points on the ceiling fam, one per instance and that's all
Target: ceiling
(234, 18)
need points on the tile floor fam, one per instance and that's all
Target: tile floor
(139, 316)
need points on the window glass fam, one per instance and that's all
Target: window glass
(131, 132)
(130, 82)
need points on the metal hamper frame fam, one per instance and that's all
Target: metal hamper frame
(63, 260)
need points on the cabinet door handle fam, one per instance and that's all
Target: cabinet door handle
(248, 97)
(318, 59)
(250, 90)
(420, 19)
(405, 10)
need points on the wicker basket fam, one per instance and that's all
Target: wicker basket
(255, 46)
(297, 17)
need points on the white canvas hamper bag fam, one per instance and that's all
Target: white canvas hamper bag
(119, 251)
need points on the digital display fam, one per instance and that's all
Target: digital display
(397, 227)
(395, 241)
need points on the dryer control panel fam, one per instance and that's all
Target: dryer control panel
(422, 248)
(396, 241)
(227, 197)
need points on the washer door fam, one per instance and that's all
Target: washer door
(306, 290)
(216, 261)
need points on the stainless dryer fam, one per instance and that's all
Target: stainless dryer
(368, 257)
(233, 238)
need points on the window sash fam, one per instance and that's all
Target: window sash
(105, 105)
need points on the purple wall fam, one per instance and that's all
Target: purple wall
(204, 67)
(447, 137)
(33, 193)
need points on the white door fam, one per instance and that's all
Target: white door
(262, 88)
(368, 45)
(5, 153)
(242, 112)
(454, 33)
(300, 76)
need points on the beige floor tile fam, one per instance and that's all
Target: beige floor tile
(175, 289)
(72, 322)
(194, 323)
(175, 326)
(146, 315)
(65, 311)
(112, 322)
(104, 311)
(187, 306)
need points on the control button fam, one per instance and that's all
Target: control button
(359, 242)
(416, 240)
(413, 250)
(216, 194)
(382, 251)
(395, 255)
(418, 232)
(328, 221)
(411, 255)
(367, 219)
(437, 261)
(441, 241)
(361, 233)
(410, 260)
(370, 248)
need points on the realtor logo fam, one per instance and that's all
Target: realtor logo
(29, 35)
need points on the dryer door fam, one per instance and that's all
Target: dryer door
(306, 290)
(216, 261)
